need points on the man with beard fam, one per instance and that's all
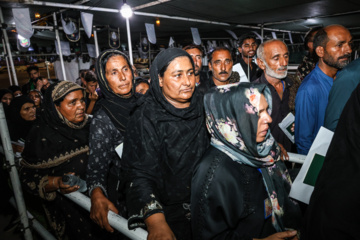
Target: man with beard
(247, 69)
(196, 53)
(220, 64)
(332, 45)
(273, 59)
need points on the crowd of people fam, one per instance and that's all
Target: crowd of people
(194, 154)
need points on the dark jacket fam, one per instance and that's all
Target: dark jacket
(224, 203)
(280, 109)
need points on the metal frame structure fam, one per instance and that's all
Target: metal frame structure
(90, 8)
(8, 49)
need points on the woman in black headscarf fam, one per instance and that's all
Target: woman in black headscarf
(333, 211)
(116, 81)
(55, 146)
(21, 116)
(240, 188)
(165, 139)
(5, 97)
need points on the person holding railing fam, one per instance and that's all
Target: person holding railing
(165, 138)
(57, 145)
(116, 81)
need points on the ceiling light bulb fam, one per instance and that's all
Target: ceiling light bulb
(126, 11)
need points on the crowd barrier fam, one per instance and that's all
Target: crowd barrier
(116, 221)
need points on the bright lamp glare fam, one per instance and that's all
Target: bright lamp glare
(20, 37)
(126, 11)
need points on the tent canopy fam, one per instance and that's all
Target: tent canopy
(297, 15)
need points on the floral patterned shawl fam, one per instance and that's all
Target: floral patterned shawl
(231, 119)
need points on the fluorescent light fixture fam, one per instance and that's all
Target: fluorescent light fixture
(311, 20)
(126, 11)
(20, 37)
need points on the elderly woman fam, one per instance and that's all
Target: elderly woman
(240, 188)
(166, 138)
(115, 78)
(56, 146)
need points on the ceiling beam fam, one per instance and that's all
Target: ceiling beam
(306, 18)
(60, 11)
(150, 4)
(89, 8)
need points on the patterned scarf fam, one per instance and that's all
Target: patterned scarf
(232, 118)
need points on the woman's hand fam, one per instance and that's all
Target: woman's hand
(158, 228)
(291, 235)
(17, 148)
(65, 189)
(100, 207)
(284, 156)
(55, 183)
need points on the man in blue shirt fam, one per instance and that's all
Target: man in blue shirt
(332, 44)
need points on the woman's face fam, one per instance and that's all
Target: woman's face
(142, 88)
(28, 112)
(7, 98)
(35, 96)
(178, 82)
(73, 107)
(264, 120)
(119, 75)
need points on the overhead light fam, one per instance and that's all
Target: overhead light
(37, 15)
(311, 20)
(126, 11)
(157, 21)
(20, 37)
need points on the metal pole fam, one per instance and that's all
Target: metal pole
(262, 33)
(96, 43)
(14, 176)
(149, 54)
(7, 62)
(47, 68)
(129, 41)
(59, 47)
(35, 224)
(8, 48)
(116, 221)
(296, 158)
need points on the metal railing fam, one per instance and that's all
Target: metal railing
(116, 221)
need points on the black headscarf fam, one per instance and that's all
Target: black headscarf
(333, 211)
(195, 109)
(18, 127)
(162, 145)
(117, 107)
(54, 139)
(2, 93)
